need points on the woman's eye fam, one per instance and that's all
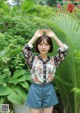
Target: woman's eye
(40, 44)
(46, 44)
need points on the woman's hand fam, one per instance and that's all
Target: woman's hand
(38, 33)
(50, 33)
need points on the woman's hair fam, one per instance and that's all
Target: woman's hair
(49, 41)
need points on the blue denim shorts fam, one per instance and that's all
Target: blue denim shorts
(41, 96)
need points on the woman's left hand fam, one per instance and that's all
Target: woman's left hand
(50, 33)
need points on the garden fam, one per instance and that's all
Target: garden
(18, 24)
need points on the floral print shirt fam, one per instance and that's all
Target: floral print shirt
(43, 71)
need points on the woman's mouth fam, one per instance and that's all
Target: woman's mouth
(43, 50)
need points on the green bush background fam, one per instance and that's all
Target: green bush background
(17, 26)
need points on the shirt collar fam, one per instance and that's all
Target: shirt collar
(47, 59)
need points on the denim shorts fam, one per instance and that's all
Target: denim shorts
(41, 96)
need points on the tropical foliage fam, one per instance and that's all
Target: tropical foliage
(16, 28)
(70, 78)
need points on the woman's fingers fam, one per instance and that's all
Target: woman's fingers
(50, 30)
(46, 30)
(37, 30)
(41, 31)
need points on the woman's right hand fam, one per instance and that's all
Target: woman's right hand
(38, 33)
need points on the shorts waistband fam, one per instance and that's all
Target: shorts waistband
(42, 84)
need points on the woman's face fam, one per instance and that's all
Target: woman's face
(43, 47)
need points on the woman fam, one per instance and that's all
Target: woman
(42, 95)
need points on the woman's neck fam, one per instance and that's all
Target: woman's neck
(43, 56)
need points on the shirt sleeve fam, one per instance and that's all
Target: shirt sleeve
(61, 54)
(28, 55)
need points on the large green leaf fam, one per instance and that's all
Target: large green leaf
(27, 75)
(2, 99)
(18, 95)
(18, 73)
(27, 5)
(69, 70)
(70, 26)
(77, 67)
(20, 92)
(1, 80)
(15, 98)
(17, 80)
(4, 90)
(24, 84)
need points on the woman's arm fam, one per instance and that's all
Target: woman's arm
(62, 50)
(37, 34)
(53, 36)
(28, 54)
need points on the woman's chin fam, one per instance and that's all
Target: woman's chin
(43, 52)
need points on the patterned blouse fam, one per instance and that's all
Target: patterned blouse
(42, 71)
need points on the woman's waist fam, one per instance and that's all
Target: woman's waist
(42, 84)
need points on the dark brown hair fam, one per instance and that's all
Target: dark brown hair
(49, 41)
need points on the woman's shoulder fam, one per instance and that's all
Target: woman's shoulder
(36, 57)
(52, 58)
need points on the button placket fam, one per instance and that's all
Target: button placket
(44, 67)
(44, 64)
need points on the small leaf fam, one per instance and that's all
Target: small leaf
(25, 84)
(18, 73)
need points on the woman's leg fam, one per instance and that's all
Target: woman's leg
(47, 110)
(32, 110)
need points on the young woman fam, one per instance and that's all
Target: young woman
(42, 95)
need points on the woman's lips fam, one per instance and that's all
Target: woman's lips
(43, 50)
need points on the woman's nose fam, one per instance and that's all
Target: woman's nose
(43, 46)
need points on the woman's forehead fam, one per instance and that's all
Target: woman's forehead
(44, 41)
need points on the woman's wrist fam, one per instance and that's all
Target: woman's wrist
(54, 36)
(35, 37)
(32, 40)
(30, 45)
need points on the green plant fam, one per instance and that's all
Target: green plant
(14, 74)
(13, 79)
(14, 88)
(68, 78)
(16, 29)
(8, 67)
(11, 59)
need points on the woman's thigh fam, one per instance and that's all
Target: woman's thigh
(33, 110)
(47, 110)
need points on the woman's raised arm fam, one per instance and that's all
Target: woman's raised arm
(62, 50)
(28, 54)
